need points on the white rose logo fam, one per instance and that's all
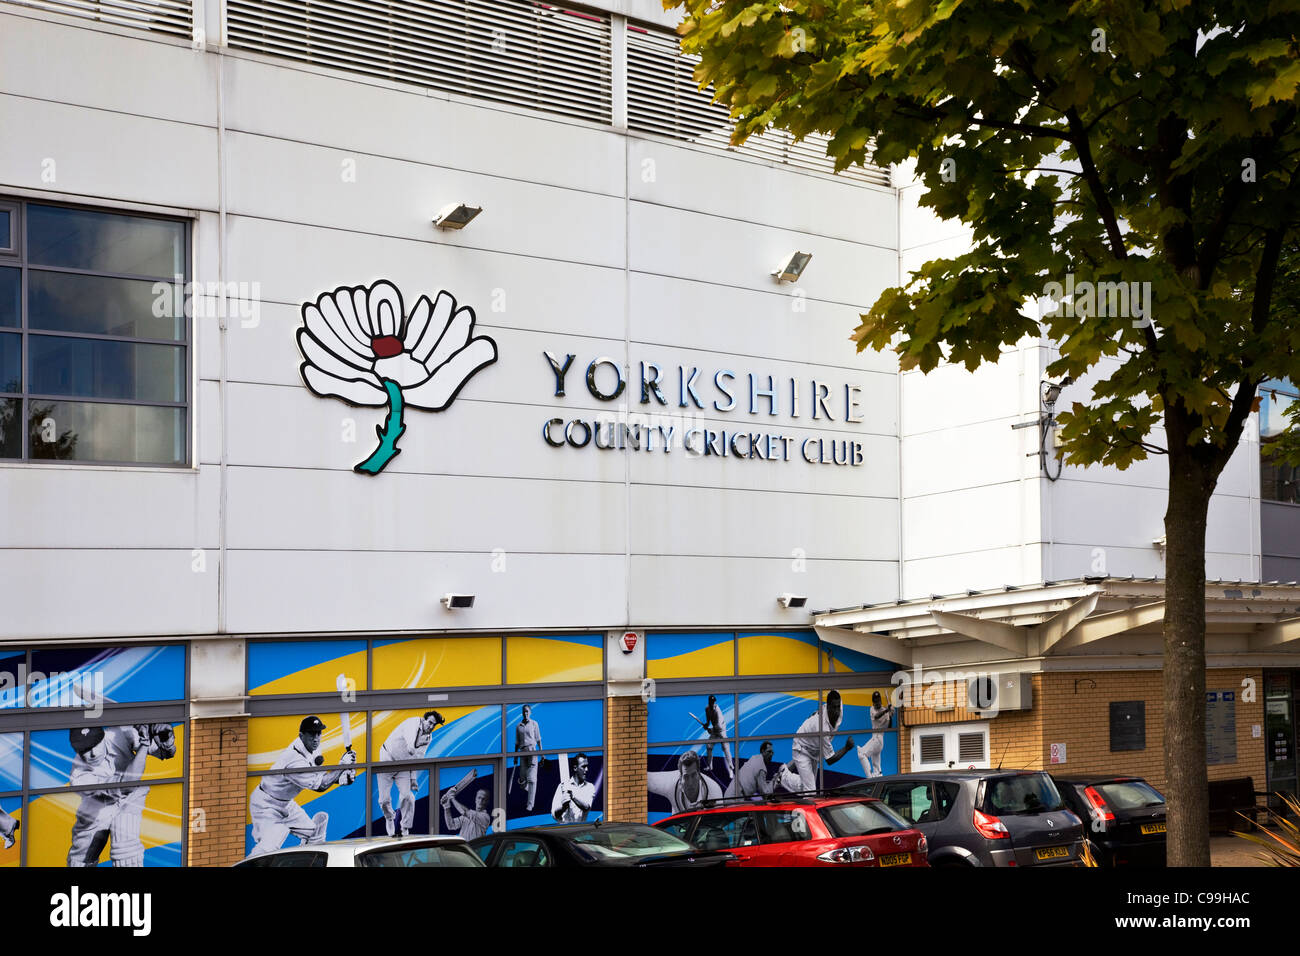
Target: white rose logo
(359, 345)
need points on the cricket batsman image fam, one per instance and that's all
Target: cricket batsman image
(273, 806)
(408, 741)
(471, 824)
(528, 736)
(882, 718)
(575, 795)
(8, 828)
(113, 815)
(716, 727)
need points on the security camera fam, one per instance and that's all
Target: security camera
(453, 601)
(792, 600)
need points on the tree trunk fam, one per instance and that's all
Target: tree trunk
(1190, 487)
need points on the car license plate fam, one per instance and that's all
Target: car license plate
(895, 859)
(1053, 853)
(1154, 828)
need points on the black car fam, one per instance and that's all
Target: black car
(1124, 817)
(984, 817)
(593, 844)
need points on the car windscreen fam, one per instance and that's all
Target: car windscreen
(622, 842)
(861, 819)
(1130, 795)
(453, 854)
(1021, 793)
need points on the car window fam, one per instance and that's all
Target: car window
(677, 828)
(298, 859)
(945, 798)
(443, 855)
(909, 799)
(624, 840)
(726, 831)
(1022, 793)
(1131, 795)
(523, 853)
(485, 850)
(861, 819)
(781, 826)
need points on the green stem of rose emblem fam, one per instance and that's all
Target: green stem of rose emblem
(388, 433)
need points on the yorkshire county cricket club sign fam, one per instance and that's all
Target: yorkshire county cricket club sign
(358, 344)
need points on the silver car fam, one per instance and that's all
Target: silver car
(446, 851)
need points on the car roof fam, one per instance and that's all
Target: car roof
(955, 774)
(772, 802)
(1094, 778)
(354, 845)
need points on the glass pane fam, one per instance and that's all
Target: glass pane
(11, 436)
(105, 242)
(6, 229)
(89, 431)
(68, 302)
(11, 362)
(95, 368)
(10, 304)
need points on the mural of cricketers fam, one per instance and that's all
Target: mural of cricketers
(528, 736)
(273, 807)
(110, 815)
(575, 795)
(809, 749)
(409, 741)
(882, 718)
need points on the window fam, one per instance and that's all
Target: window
(94, 342)
(1278, 480)
(524, 853)
(951, 746)
(726, 831)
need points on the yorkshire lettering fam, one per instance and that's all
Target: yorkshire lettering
(665, 390)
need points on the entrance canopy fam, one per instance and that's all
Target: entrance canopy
(1246, 623)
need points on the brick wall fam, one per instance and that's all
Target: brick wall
(1074, 709)
(625, 759)
(218, 790)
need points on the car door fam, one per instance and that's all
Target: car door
(913, 800)
(737, 832)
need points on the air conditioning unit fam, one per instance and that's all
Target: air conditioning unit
(999, 692)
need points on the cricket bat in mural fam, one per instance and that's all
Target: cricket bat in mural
(461, 784)
(341, 682)
(557, 803)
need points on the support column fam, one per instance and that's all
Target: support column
(625, 760)
(218, 790)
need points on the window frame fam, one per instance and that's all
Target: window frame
(18, 257)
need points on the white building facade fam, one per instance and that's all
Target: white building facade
(661, 462)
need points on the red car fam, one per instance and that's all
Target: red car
(807, 830)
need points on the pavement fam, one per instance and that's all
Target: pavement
(1228, 850)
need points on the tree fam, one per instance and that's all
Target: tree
(1151, 143)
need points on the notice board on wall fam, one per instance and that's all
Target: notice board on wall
(1220, 727)
(1128, 725)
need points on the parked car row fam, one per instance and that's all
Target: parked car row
(945, 818)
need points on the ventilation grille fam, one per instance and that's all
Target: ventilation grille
(172, 17)
(931, 748)
(970, 747)
(509, 51)
(662, 97)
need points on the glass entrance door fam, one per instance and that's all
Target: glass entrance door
(1280, 688)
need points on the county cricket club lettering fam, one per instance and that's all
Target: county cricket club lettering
(359, 345)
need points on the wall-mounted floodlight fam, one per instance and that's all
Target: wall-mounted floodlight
(456, 216)
(792, 600)
(454, 601)
(792, 268)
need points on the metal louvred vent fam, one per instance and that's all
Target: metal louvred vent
(662, 98)
(970, 747)
(509, 51)
(931, 748)
(172, 17)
